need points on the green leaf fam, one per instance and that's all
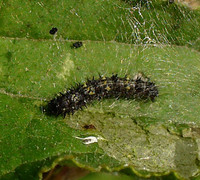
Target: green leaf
(155, 22)
(150, 138)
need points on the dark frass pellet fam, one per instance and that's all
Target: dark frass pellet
(89, 126)
(139, 87)
(53, 30)
(77, 44)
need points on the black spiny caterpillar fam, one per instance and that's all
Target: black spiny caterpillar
(140, 87)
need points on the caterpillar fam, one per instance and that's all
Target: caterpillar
(140, 87)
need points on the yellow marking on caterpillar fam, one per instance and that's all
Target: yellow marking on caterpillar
(127, 78)
(108, 88)
(103, 78)
(128, 87)
(84, 85)
(105, 83)
(91, 93)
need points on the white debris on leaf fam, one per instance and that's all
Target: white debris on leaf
(90, 139)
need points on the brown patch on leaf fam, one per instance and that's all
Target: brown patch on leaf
(89, 126)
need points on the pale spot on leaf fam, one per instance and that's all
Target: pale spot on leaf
(67, 67)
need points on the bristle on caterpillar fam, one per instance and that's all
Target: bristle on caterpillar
(140, 87)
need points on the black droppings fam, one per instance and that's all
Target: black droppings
(53, 30)
(77, 44)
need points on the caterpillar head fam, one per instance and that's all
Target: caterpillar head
(58, 106)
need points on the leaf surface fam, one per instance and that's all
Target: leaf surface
(151, 138)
